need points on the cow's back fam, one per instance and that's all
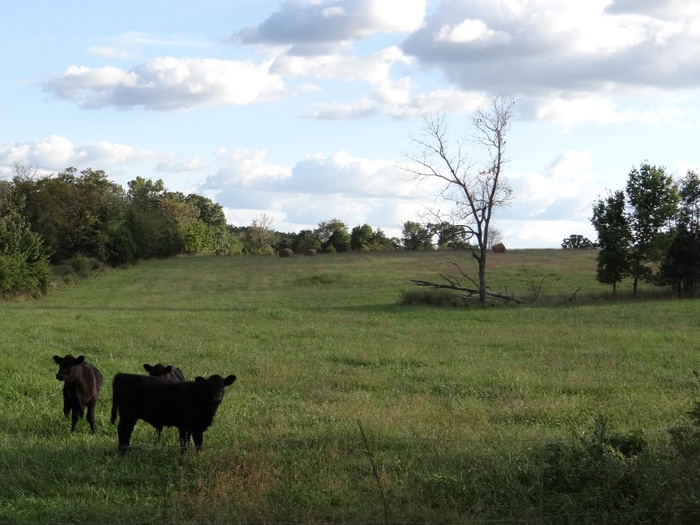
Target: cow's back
(86, 380)
(158, 402)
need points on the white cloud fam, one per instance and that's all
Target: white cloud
(471, 31)
(563, 190)
(245, 168)
(169, 84)
(542, 234)
(540, 46)
(308, 23)
(355, 190)
(577, 109)
(57, 153)
(373, 68)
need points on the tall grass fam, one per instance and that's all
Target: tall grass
(460, 406)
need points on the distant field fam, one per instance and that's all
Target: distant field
(444, 396)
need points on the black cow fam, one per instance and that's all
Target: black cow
(81, 386)
(168, 373)
(165, 373)
(190, 405)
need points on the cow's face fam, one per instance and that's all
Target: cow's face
(215, 386)
(157, 370)
(65, 365)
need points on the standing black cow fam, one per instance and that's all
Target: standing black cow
(81, 386)
(190, 405)
(165, 373)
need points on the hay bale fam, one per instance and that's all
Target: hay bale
(287, 252)
(499, 248)
(310, 252)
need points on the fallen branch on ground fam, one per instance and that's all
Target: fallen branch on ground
(469, 291)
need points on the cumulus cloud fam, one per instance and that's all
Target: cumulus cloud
(244, 168)
(168, 84)
(542, 46)
(398, 100)
(56, 153)
(320, 187)
(306, 24)
(565, 189)
(664, 9)
(471, 31)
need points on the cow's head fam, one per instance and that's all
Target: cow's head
(65, 364)
(157, 370)
(214, 387)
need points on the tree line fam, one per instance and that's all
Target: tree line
(49, 220)
(650, 231)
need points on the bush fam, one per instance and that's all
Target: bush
(433, 298)
(24, 264)
(83, 266)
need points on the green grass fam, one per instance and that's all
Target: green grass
(456, 404)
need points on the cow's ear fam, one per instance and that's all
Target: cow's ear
(229, 380)
(58, 359)
(79, 359)
(147, 367)
(200, 380)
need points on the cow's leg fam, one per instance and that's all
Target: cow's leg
(67, 399)
(198, 438)
(91, 414)
(77, 414)
(124, 430)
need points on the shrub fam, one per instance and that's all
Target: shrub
(440, 297)
(24, 264)
(83, 266)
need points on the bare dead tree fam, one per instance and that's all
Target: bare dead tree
(472, 189)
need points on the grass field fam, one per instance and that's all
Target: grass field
(349, 407)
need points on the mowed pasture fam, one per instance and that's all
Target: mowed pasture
(348, 406)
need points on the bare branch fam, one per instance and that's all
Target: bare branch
(468, 290)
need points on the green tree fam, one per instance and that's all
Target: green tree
(450, 236)
(99, 214)
(47, 205)
(24, 264)
(260, 237)
(614, 238)
(306, 240)
(361, 238)
(6, 205)
(380, 242)
(334, 236)
(681, 266)
(577, 242)
(415, 236)
(653, 199)
(153, 232)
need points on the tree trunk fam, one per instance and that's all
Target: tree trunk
(482, 279)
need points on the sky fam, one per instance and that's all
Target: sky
(304, 110)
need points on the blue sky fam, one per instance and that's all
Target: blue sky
(302, 110)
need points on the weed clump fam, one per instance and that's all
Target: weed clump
(441, 298)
